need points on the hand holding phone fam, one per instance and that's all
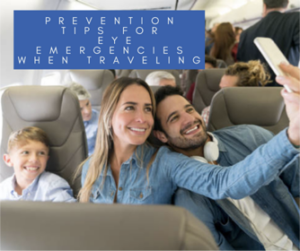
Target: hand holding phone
(272, 54)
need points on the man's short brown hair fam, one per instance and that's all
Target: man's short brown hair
(274, 4)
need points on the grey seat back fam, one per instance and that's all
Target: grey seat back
(191, 75)
(84, 226)
(55, 109)
(95, 81)
(123, 73)
(262, 106)
(142, 74)
(221, 63)
(154, 88)
(207, 84)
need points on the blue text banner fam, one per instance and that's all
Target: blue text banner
(109, 39)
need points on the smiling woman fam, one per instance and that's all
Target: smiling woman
(126, 169)
(132, 121)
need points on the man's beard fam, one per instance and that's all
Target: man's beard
(186, 144)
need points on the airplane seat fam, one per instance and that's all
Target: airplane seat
(262, 106)
(191, 75)
(207, 84)
(221, 63)
(154, 88)
(142, 74)
(55, 109)
(87, 226)
(95, 81)
(123, 73)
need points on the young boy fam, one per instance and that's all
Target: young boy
(28, 151)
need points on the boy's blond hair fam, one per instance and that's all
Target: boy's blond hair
(25, 134)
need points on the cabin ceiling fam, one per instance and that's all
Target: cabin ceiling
(139, 4)
(217, 8)
(243, 13)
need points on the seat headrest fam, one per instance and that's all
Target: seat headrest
(91, 79)
(212, 78)
(27, 105)
(95, 81)
(86, 226)
(221, 63)
(256, 105)
(34, 105)
(154, 88)
(261, 106)
(207, 84)
(123, 73)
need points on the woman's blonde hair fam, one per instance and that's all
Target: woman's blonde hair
(104, 140)
(252, 73)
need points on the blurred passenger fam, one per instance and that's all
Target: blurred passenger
(252, 73)
(224, 39)
(207, 34)
(209, 40)
(90, 116)
(238, 31)
(269, 218)
(210, 63)
(27, 154)
(125, 169)
(160, 78)
(283, 28)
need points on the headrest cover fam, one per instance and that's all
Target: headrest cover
(42, 104)
(265, 110)
(46, 107)
(213, 78)
(92, 79)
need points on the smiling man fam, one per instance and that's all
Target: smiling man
(268, 219)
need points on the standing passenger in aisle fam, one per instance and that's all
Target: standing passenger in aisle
(283, 28)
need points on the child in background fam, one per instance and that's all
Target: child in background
(28, 153)
(90, 116)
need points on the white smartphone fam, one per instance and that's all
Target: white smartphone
(272, 54)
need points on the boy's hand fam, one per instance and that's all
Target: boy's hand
(292, 100)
